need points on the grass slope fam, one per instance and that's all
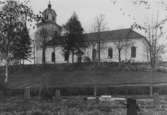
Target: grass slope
(82, 75)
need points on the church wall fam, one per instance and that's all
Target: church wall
(49, 51)
(59, 58)
(38, 56)
(140, 44)
(141, 53)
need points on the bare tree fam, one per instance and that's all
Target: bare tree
(99, 26)
(122, 45)
(154, 28)
(41, 40)
(154, 34)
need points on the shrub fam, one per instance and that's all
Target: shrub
(86, 59)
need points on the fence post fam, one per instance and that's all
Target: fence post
(151, 91)
(95, 91)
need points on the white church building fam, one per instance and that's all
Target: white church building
(132, 45)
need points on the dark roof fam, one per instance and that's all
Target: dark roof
(49, 22)
(58, 41)
(114, 35)
(106, 36)
(49, 10)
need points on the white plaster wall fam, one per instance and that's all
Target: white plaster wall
(140, 44)
(141, 53)
(59, 55)
(38, 56)
(59, 58)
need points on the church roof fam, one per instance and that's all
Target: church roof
(114, 35)
(49, 10)
(49, 22)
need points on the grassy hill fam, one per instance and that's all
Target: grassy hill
(66, 75)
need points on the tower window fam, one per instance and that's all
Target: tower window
(133, 52)
(110, 52)
(53, 57)
(50, 17)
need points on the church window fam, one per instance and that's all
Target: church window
(93, 54)
(110, 52)
(133, 52)
(53, 57)
(53, 18)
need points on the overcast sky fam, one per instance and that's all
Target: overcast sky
(120, 14)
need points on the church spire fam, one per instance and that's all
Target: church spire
(49, 5)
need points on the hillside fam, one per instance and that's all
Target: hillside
(66, 75)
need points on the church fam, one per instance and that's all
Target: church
(112, 46)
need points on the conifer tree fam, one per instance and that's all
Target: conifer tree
(74, 41)
(22, 48)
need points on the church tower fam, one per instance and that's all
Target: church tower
(52, 30)
(49, 14)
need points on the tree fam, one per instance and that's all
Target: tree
(153, 34)
(41, 40)
(153, 28)
(13, 13)
(22, 48)
(74, 39)
(122, 44)
(99, 26)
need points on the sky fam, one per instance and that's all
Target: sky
(118, 13)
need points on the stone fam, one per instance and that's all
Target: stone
(57, 93)
(131, 107)
(27, 93)
(156, 99)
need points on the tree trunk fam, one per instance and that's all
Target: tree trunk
(23, 61)
(6, 71)
(99, 51)
(43, 55)
(95, 91)
(119, 56)
(55, 54)
(72, 56)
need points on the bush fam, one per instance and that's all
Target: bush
(86, 59)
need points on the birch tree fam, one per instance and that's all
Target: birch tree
(13, 13)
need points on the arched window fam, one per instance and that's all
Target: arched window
(93, 54)
(53, 56)
(50, 17)
(110, 52)
(133, 52)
